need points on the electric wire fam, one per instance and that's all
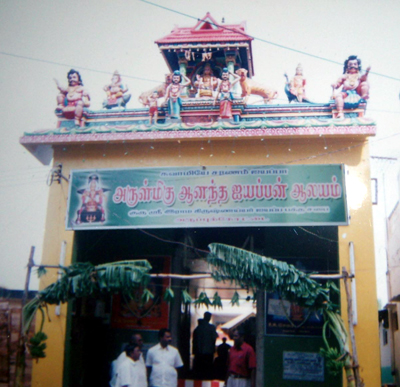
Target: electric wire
(23, 183)
(197, 19)
(72, 66)
(260, 39)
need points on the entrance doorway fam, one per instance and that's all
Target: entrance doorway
(96, 335)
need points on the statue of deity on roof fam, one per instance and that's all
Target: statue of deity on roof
(224, 93)
(152, 102)
(206, 83)
(117, 93)
(173, 94)
(295, 88)
(73, 98)
(355, 86)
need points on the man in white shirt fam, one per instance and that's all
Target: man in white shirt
(136, 339)
(162, 360)
(130, 373)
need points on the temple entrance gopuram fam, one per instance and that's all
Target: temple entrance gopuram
(205, 160)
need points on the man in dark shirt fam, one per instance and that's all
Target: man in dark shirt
(241, 363)
(204, 337)
(221, 362)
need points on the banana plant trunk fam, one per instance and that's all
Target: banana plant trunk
(351, 380)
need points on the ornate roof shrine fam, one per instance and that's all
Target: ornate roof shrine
(208, 37)
(208, 94)
(207, 30)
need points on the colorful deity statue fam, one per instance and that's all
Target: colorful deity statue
(152, 102)
(92, 209)
(117, 93)
(295, 88)
(73, 99)
(161, 90)
(224, 93)
(206, 83)
(355, 87)
(173, 94)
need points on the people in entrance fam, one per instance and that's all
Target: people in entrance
(130, 373)
(135, 340)
(204, 337)
(162, 360)
(221, 361)
(241, 363)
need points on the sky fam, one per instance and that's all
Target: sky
(41, 40)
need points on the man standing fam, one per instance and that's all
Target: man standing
(221, 362)
(204, 337)
(130, 373)
(136, 339)
(162, 360)
(241, 363)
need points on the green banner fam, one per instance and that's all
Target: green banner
(238, 196)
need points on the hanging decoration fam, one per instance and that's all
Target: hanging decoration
(206, 56)
(228, 263)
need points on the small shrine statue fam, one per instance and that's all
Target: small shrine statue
(295, 88)
(92, 209)
(73, 99)
(117, 93)
(161, 89)
(152, 102)
(173, 94)
(355, 87)
(224, 91)
(250, 87)
(206, 83)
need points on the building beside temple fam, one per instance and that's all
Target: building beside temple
(388, 315)
(209, 158)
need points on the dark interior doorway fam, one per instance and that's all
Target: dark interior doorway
(92, 343)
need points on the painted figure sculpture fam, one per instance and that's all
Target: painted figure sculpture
(73, 99)
(173, 94)
(251, 87)
(355, 87)
(117, 93)
(295, 88)
(206, 83)
(161, 90)
(152, 102)
(224, 91)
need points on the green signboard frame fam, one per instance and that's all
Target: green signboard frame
(217, 196)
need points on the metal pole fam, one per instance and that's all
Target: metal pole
(356, 366)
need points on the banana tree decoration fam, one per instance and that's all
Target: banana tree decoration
(84, 279)
(248, 269)
(228, 263)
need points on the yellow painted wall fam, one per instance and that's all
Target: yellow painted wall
(351, 151)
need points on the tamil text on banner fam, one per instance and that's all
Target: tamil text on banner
(242, 196)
